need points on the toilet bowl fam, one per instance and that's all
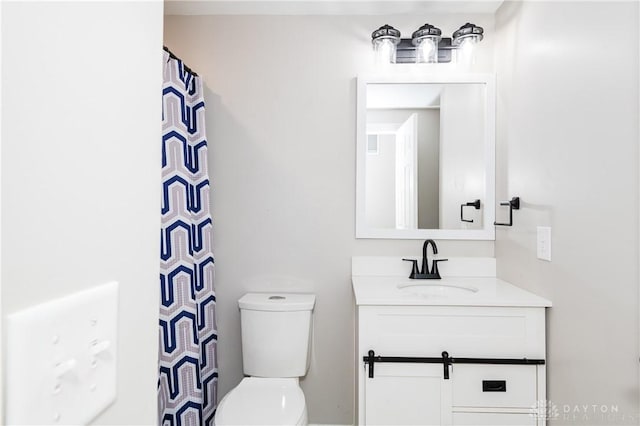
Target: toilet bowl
(276, 331)
(263, 401)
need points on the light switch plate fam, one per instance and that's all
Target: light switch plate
(544, 243)
(61, 359)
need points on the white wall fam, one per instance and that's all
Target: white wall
(381, 184)
(1, 318)
(281, 104)
(568, 146)
(428, 155)
(80, 170)
(462, 148)
(381, 190)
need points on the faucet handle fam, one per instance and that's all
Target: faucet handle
(434, 268)
(414, 269)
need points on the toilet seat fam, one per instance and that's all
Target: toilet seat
(263, 401)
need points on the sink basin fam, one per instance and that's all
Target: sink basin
(437, 289)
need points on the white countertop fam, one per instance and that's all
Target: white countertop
(491, 291)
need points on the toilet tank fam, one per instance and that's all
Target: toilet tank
(276, 333)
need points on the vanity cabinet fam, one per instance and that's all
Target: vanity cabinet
(473, 393)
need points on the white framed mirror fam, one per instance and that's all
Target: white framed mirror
(426, 157)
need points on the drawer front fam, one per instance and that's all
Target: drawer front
(493, 419)
(494, 386)
(478, 332)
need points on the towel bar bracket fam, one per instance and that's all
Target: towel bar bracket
(475, 204)
(513, 204)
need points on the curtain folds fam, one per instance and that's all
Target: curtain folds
(188, 374)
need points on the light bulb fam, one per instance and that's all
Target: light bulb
(426, 39)
(427, 51)
(465, 51)
(385, 51)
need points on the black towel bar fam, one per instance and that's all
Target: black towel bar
(514, 204)
(475, 204)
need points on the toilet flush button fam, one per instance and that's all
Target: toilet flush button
(277, 297)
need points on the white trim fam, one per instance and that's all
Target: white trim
(1, 289)
(322, 424)
(488, 232)
(404, 108)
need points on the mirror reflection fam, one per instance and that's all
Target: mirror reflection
(425, 155)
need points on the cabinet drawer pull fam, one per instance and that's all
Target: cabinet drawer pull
(494, 386)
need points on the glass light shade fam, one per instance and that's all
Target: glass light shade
(465, 52)
(427, 50)
(384, 50)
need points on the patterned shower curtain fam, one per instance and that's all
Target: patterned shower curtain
(188, 374)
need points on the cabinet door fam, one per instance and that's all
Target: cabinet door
(407, 394)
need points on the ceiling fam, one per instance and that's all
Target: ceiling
(327, 7)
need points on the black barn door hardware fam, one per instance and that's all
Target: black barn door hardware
(475, 204)
(446, 360)
(514, 204)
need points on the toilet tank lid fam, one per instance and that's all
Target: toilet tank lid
(277, 302)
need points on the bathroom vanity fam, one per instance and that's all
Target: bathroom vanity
(468, 349)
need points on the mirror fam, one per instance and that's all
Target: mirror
(425, 157)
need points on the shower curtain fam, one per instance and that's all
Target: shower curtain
(188, 374)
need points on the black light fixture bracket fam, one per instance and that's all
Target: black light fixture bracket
(406, 51)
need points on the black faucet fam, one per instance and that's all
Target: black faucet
(424, 273)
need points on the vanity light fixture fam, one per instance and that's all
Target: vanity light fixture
(385, 39)
(426, 39)
(426, 44)
(465, 39)
(468, 33)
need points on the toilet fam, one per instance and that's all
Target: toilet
(276, 341)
